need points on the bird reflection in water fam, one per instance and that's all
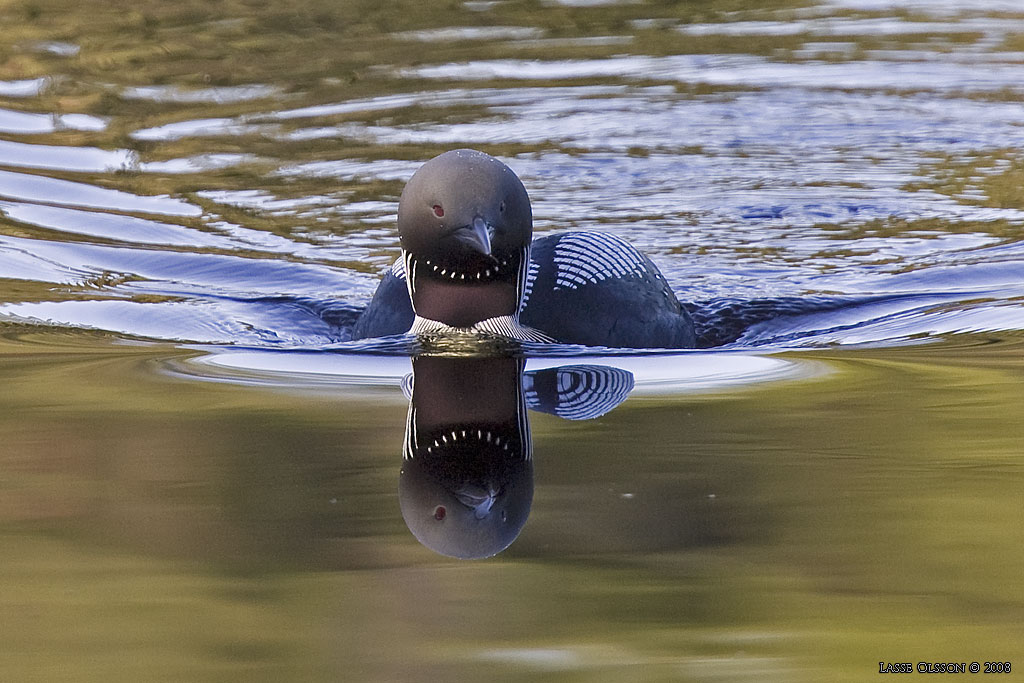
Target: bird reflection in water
(466, 484)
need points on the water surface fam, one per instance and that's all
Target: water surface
(200, 472)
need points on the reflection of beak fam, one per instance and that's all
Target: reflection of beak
(477, 236)
(479, 499)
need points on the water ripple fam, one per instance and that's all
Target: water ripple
(28, 123)
(35, 188)
(868, 154)
(28, 87)
(221, 95)
(740, 70)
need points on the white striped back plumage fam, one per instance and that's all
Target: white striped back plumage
(590, 257)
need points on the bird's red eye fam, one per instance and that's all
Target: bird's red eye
(440, 512)
(438, 210)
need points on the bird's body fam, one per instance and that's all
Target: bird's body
(618, 303)
(469, 264)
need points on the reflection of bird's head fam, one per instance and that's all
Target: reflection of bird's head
(466, 492)
(467, 471)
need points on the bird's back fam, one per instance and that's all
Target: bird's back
(597, 289)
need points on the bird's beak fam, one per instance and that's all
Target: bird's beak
(477, 236)
(478, 499)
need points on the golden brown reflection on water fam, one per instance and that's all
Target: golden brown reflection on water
(155, 528)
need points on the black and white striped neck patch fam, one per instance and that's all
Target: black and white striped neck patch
(532, 270)
(507, 326)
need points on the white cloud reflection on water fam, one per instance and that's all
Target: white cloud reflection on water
(940, 8)
(66, 158)
(30, 123)
(218, 95)
(24, 88)
(35, 188)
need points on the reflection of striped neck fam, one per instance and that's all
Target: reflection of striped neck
(467, 407)
(482, 440)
